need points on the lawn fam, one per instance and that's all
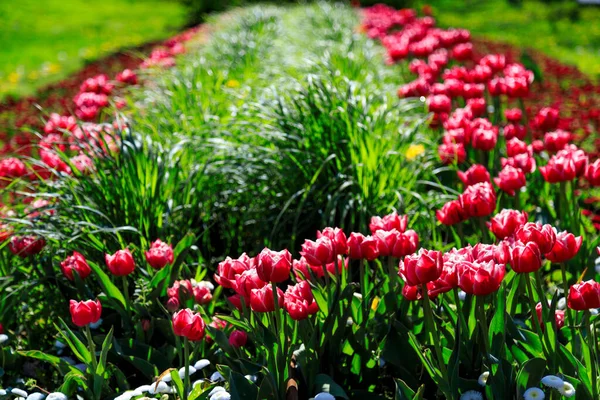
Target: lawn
(563, 30)
(44, 41)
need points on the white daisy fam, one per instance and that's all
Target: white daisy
(552, 381)
(471, 395)
(483, 378)
(567, 390)
(534, 394)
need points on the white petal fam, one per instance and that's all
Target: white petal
(552, 381)
(217, 389)
(217, 377)
(251, 378)
(324, 396)
(567, 390)
(125, 396)
(19, 392)
(534, 394)
(483, 378)
(471, 395)
(220, 396)
(167, 378)
(3, 338)
(36, 396)
(2, 392)
(56, 396)
(143, 389)
(191, 370)
(159, 387)
(201, 364)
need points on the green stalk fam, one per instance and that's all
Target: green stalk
(433, 333)
(280, 374)
(92, 345)
(535, 323)
(484, 325)
(461, 317)
(186, 363)
(563, 270)
(593, 357)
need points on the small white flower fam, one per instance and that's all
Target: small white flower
(462, 295)
(217, 389)
(56, 396)
(251, 378)
(142, 389)
(198, 382)
(357, 295)
(220, 396)
(349, 321)
(191, 370)
(324, 396)
(594, 311)
(471, 395)
(534, 394)
(36, 396)
(159, 387)
(3, 338)
(552, 381)
(167, 378)
(567, 390)
(205, 284)
(483, 378)
(561, 304)
(19, 392)
(96, 325)
(125, 396)
(2, 392)
(201, 364)
(300, 350)
(217, 377)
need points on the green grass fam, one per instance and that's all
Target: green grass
(43, 41)
(559, 29)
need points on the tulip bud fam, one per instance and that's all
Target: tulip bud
(422, 267)
(159, 255)
(85, 312)
(173, 304)
(559, 316)
(525, 257)
(542, 235)
(592, 173)
(396, 244)
(389, 222)
(299, 301)
(451, 153)
(77, 263)
(510, 180)
(247, 281)
(411, 293)
(584, 296)
(477, 173)
(238, 339)
(362, 247)
(230, 269)
(261, 300)
(337, 237)
(274, 266)
(189, 325)
(480, 279)
(202, 295)
(565, 247)
(25, 246)
(451, 213)
(121, 263)
(478, 200)
(507, 222)
(318, 252)
(513, 115)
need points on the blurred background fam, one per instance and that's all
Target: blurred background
(45, 41)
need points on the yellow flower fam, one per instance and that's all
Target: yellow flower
(232, 83)
(14, 77)
(414, 151)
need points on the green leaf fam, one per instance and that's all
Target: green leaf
(77, 347)
(403, 392)
(240, 387)
(62, 366)
(109, 288)
(106, 345)
(530, 375)
(178, 383)
(324, 383)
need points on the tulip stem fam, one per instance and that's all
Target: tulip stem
(592, 346)
(186, 363)
(459, 312)
(126, 292)
(391, 272)
(280, 374)
(563, 270)
(534, 319)
(480, 304)
(92, 345)
(433, 333)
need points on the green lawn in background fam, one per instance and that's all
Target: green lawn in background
(41, 41)
(563, 29)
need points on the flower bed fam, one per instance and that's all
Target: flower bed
(451, 261)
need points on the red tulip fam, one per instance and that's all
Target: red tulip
(559, 316)
(506, 223)
(542, 235)
(579, 157)
(274, 266)
(510, 179)
(451, 213)
(236, 301)
(462, 51)
(389, 222)
(337, 237)
(516, 146)
(497, 86)
(496, 62)
(411, 293)
(318, 252)
(439, 103)
(202, 295)
(173, 304)
(478, 200)
(513, 115)
(524, 162)
(516, 86)
(25, 246)
(452, 153)
(559, 169)
(525, 257)
(261, 300)
(189, 325)
(514, 131)
(484, 139)
(246, 281)
(422, 267)
(584, 296)
(480, 279)
(299, 301)
(182, 289)
(592, 173)
(238, 339)
(85, 312)
(159, 255)
(11, 168)
(477, 106)
(557, 140)
(121, 263)
(396, 244)
(565, 247)
(546, 119)
(362, 247)
(77, 263)
(477, 173)
(127, 76)
(229, 269)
